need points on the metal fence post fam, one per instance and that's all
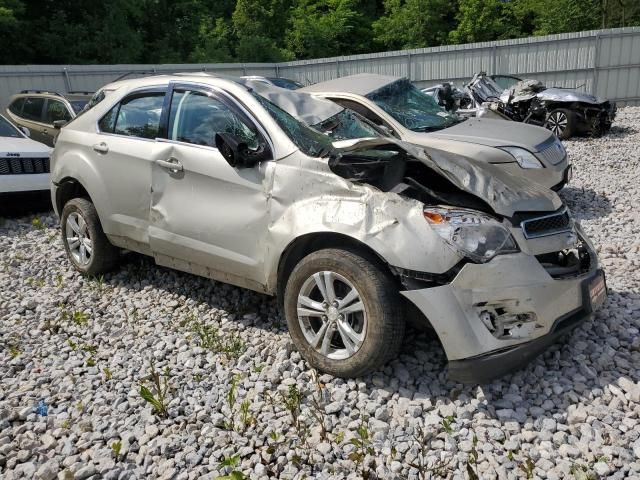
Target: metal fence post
(596, 61)
(494, 59)
(409, 65)
(67, 80)
(337, 67)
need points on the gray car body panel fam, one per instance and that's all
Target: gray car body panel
(272, 205)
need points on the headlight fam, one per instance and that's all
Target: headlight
(524, 158)
(479, 236)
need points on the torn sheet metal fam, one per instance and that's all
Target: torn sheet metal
(503, 192)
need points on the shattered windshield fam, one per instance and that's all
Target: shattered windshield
(347, 125)
(310, 141)
(412, 108)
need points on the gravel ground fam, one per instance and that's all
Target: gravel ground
(74, 353)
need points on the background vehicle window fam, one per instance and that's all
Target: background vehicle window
(32, 109)
(196, 118)
(56, 111)
(139, 116)
(16, 107)
(361, 109)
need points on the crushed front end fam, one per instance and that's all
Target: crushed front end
(493, 318)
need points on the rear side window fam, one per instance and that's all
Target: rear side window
(56, 110)
(32, 109)
(136, 116)
(16, 106)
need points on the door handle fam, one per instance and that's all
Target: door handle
(101, 147)
(173, 164)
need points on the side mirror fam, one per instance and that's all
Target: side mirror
(58, 124)
(26, 131)
(237, 153)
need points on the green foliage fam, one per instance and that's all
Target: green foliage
(364, 447)
(325, 28)
(414, 23)
(177, 31)
(115, 449)
(157, 395)
(231, 463)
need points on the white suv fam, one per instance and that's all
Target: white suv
(207, 176)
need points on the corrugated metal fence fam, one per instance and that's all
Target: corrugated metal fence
(604, 62)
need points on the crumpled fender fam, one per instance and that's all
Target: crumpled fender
(391, 225)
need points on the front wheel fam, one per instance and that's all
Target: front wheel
(562, 123)
(343, 312)
(86, 245)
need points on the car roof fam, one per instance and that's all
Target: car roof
(196, 77)
(359, 84)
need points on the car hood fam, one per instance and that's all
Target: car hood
(567, 95)
(505, 193)
(23, 146)
(495, 133)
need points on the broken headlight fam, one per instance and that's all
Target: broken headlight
(525, 158)
(479, 236)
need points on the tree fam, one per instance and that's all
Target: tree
(258, 26)
(485, 20)
(414, 23)
(325, 28)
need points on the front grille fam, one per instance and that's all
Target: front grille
(23, 165)
(553, 153)
(547, 225)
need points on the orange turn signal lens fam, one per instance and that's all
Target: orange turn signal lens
(434, 217)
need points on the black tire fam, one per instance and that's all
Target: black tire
(104, 256)
(382, 309)
(562, 123)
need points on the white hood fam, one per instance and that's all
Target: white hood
(24, 147)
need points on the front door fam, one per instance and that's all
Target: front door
(32, 118)
(206, 216)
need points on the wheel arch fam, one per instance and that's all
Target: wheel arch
(67, 189)
(312, 242)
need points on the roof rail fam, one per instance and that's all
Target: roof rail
(41, 91)
(134, 72)
(80, 92)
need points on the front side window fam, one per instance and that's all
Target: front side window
(412, 108)
(32, 109)
(16, 106)
(56, 111)
(136, 116)
(195, 117)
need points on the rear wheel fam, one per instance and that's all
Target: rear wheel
(86, 245)
(343, 312)
(561, 122)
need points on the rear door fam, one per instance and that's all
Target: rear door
(206, 216)
(123, 151)
(32, 118)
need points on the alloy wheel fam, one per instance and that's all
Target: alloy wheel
(557, 122)
(78, 239)
(332, 315)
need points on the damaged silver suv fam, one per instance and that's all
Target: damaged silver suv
(208, 177)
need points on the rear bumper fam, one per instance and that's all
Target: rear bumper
(484, 368)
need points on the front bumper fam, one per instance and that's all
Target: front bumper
(24, 182)
(515, 284)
